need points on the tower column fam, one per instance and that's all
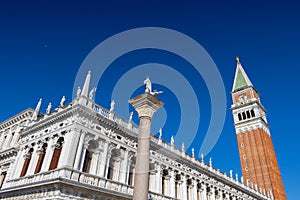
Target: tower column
(146, 105)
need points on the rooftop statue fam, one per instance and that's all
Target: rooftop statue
(62, 101)
(148, 89)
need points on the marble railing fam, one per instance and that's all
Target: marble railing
(77, 177)
(112, 116)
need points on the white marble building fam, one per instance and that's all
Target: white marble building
(84, 151)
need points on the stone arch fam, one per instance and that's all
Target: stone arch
(91, 147)
(239, 116)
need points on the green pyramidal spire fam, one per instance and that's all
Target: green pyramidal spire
(241, 79)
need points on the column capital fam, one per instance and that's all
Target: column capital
(146, 104)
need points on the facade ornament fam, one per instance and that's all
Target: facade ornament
(172, 140)
(148, 84)
(182, 147)
(92, 92)
(248, 182)
(112, 106)
(210, 162)
(230, 173)
(49, 108)
(242, 179)
(202, 157)
(78, 92)
(236, 177)
(130, 117)
(193, 152)
(160, 133)
(62, 101)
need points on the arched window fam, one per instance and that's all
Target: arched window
(164, 181)
(56, 153)
(26, 161)
(88, 158)
(177, 185)
(248, 114)
(41, 152)
(87, 161)
(112, 162)
(130, 176)
(240, 116)
(244, 115)
(130, 180)
(252, 113)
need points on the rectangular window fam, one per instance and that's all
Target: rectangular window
(55, 158)
(25, 166)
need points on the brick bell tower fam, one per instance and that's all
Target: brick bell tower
(257, 155)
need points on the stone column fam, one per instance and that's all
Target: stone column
(220, 195)
(48, 155)
(68, 152)
(79, 151)
(167, 185)
(2, 140)
(212, 193)
(145, 105)
(184, 187)
(227, 197)
(172, 183)
(117, 166)
(203, 192)
(108, 157)
(94, 163)
(152, 180)
(158, 179)
(102, 165)
(33, 161)
(194, 194)
(124, 165)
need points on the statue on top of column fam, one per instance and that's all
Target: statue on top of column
(148, 89)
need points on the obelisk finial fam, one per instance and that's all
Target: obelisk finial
(237, 59)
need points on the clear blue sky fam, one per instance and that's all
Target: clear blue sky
(43, 43)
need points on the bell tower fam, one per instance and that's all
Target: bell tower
(257, 155)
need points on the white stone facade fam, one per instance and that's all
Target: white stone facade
(84, 151)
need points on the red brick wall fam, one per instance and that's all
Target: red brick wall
(261, 161)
